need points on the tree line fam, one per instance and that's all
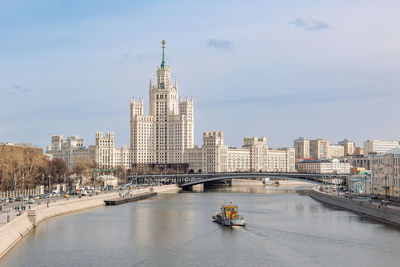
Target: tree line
(24, 167)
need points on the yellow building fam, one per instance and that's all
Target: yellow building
(320, 149)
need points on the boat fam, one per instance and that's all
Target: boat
(229, 216)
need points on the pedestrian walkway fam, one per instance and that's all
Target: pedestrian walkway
(3, 216)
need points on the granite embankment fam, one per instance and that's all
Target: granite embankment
(389, 214)
(15, 230)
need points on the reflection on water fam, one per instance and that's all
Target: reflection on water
(177, 230)
(262, 189)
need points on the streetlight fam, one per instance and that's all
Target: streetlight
(23, 191)
(48, 202)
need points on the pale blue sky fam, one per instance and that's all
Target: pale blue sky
(280, 69)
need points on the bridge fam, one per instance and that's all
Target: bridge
(186, 181)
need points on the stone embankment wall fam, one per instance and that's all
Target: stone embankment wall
(381, 213)
(13, 231)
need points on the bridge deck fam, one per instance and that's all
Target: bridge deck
(185, 180)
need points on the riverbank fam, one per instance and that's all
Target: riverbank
(388, 214)
(16, 229)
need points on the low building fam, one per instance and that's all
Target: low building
(324, 166)
(360, 183)
(359, 161)
(108, 181)
(385, 170)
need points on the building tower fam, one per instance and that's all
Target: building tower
(166, 133)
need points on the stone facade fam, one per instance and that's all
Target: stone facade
(336, 151)
(302, 148)
(69, 149)
(319, 149)
(239, 160)
(324, 166)
(385, 171)
(166, 133)
(254, 156)
(107, 156)
(379, 146)
(322, 149)
(359, 161)
(348, 146)
(281, 160)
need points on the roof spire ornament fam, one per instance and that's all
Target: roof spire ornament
(163, 54)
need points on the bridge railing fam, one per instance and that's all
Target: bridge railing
(190, 178)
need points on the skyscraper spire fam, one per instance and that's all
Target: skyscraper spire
(163, 54)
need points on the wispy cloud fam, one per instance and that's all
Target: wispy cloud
(309, 26)
(220, 44)
(17, 89)
(323, 96)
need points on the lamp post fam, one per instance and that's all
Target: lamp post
(23, 191)
(15, 185)
(48, 202)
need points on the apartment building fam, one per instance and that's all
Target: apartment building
(379, 146)
(385, 173)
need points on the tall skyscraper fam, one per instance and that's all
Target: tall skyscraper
(166, 133)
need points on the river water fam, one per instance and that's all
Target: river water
(284, 229)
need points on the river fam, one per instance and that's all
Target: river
(284, 229)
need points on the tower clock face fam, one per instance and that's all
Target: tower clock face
(163, 42)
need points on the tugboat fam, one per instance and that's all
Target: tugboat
(229, 216)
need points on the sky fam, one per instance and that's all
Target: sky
(280, 69)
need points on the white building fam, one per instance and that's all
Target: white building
(69, 149)
(166, 133)
(258, 152)
(215, 156)
(379, 146)
(336, 151)
(215, 153)
(281, 160)
(324, 166)
(239, 159)
(109, 157)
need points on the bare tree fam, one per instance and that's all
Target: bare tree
(83, 165)
(19, 166)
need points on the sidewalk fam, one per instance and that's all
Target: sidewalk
(372, 203)
(3, 216)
